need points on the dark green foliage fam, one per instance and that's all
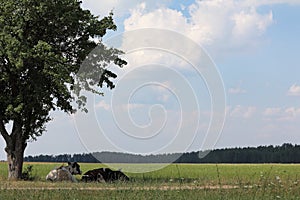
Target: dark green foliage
(286, 153)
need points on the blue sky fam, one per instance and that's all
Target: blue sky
(255, 47)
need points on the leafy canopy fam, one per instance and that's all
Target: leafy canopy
(42, 46)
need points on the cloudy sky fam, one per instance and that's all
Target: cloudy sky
(190, 63)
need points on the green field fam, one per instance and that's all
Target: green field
(182, 181)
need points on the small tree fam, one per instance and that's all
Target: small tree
(42, 46)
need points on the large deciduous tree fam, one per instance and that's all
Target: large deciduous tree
(42, 47)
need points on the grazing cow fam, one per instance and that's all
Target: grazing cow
(63, 173)
(104, 175)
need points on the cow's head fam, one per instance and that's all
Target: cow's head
(73, 168)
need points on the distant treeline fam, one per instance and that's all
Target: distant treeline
(286, 153)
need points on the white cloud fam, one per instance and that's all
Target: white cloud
(217, 22)
(227, 23)
(294, 90)
(270, 2)
(248, 23)
(236, 111)
(269, 112)
(119, 7)
(242, 111)
(103, 105)
(237, 90)
(290, 114)
(281, 114)
(249, 112)
(159, 18)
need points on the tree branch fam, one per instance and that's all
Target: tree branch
(16, 128)
(3, 130)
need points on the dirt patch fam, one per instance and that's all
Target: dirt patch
(161, 188)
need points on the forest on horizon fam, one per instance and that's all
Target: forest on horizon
(286, 153)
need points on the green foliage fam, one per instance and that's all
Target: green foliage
(42, 47)
(28, 175)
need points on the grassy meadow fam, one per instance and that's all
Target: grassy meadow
(182, 181)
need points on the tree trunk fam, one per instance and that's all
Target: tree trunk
(15, 154)
(15, 164)
(15, 147)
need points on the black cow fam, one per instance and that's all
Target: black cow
(104, 175)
